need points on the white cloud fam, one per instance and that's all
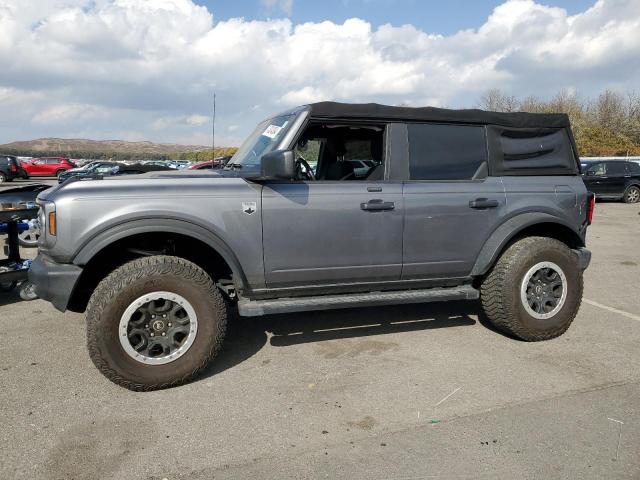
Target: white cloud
(69, 113)
(104, 67)
(284, 5)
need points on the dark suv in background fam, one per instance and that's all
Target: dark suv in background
(613, 179)
(9, 168)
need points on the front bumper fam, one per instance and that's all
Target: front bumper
(584, 257)
(54, 281)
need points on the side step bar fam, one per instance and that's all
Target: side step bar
(256, 308)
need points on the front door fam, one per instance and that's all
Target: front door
(331, 232)
(341, 222)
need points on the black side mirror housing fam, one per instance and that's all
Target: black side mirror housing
(278, 165)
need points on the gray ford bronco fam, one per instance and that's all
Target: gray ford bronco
(324, 206)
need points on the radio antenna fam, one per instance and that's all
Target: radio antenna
(213, 133)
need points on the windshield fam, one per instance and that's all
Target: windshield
(263, 139)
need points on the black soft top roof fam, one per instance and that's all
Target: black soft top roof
(374, 111)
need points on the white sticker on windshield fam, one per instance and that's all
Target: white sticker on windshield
(272, 131)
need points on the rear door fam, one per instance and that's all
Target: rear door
(451, 205)
(614, 182)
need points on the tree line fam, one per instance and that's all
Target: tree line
(608, 125)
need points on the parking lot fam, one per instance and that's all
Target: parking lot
(408, 392)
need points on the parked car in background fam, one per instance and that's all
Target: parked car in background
(217, 162)
(9, 168)
(90, 169)
(139, 168)
(161, 163)
(613, 179)
(47, 166)
(108, 169)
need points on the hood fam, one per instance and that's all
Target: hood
(150, 183)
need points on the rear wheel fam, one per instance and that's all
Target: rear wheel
(535, 289)
(3, 177)
(632, 195)
(155, 322)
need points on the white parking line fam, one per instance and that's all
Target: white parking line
(613, 310)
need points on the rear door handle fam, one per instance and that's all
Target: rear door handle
(377, 205)
(483, 203)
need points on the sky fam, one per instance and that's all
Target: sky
(146, 69)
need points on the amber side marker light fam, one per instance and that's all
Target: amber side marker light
(52, 224)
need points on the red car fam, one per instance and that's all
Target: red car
(218, 162)
(47, 166)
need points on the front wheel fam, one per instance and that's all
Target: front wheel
(3, 178)
(535, 289)
(632, 195)
(155, 322)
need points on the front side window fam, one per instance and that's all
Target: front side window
(446, 152)
(263, 140)
(597, 169)
(335, 152)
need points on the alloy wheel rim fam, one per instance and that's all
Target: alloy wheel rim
(633, 195)
(158, 328)
(30, 236)
(543, 290)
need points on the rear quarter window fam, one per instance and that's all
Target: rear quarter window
(531, 151)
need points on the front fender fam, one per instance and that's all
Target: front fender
(166, 225)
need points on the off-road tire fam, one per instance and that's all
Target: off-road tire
(134, 279)
(500, 289)
(631, 195)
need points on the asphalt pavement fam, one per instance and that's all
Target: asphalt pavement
(409, 392)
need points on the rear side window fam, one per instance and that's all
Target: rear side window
(446, 152)
(633, 168)
(616, 168)
(531, 151)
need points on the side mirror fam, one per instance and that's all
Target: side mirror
(591, 173)
(279, 164)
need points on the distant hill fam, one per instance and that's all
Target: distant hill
(81, 147)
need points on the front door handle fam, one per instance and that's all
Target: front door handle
(483, 203)
(377, 205)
